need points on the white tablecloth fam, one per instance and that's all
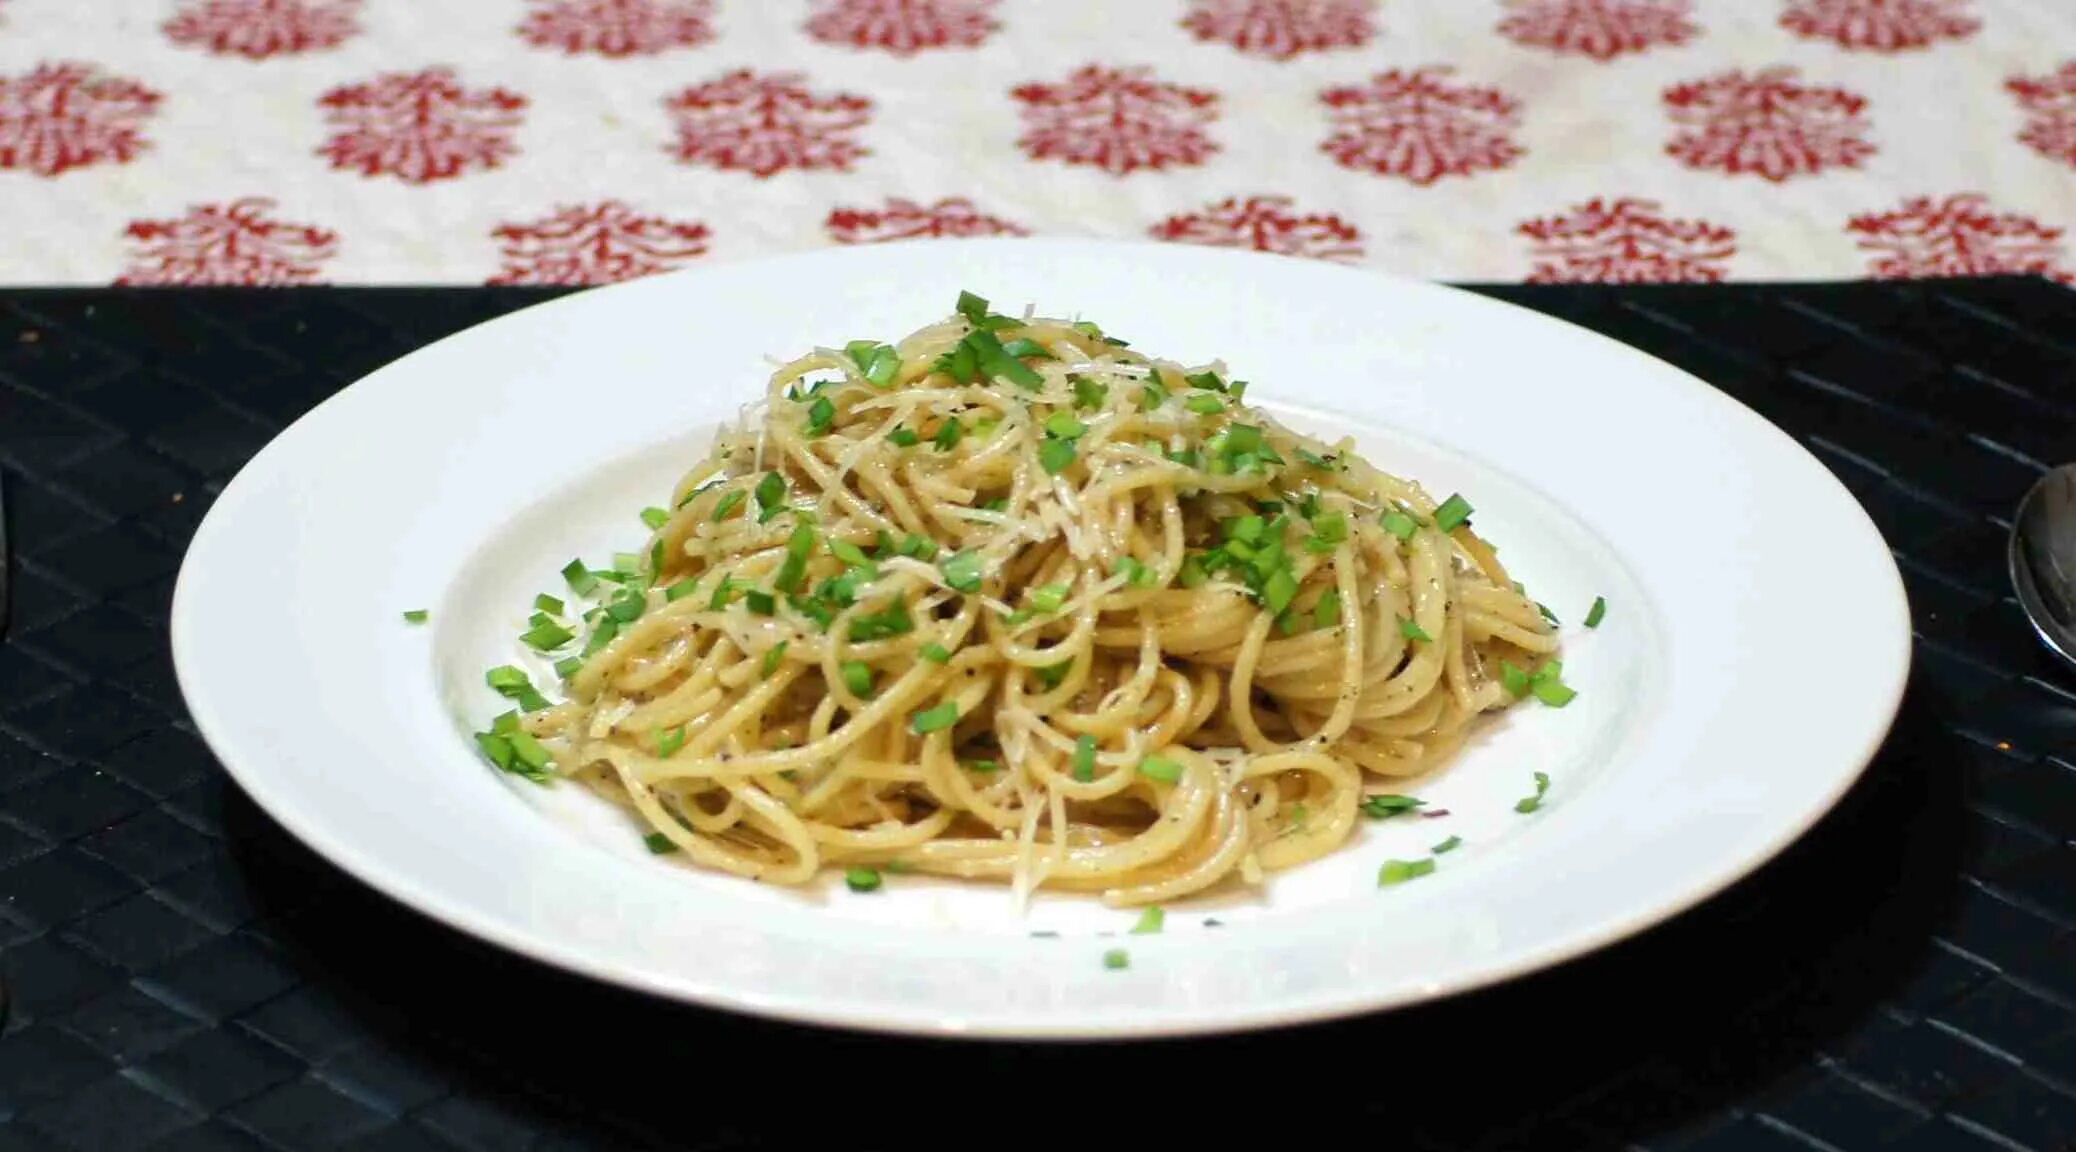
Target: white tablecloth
(575, 141)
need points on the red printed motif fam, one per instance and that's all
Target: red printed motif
(64, 116)
(258, 29)
(1958, 236)
(1117, 119)
(766, 124)
(2050, 104)
(1601, 29)
(903, 27)
(1627, 242)
(1265, 224)
(595, 244)
(1281, 29)
(907, 220)
(1767, 124)
(618, 28)
(235, 243)
(1880, 25)
(420, 126)
(1414, 126)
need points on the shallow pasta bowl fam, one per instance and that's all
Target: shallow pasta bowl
(1750, 658)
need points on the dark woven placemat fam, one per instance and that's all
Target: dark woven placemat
(186, 976)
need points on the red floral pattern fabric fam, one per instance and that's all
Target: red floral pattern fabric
(235, 243)
(583, 142)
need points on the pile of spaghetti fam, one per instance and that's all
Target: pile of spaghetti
(1009, 600)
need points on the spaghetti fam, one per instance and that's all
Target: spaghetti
(1008, 600)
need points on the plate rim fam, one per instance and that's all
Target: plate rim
(711, 993)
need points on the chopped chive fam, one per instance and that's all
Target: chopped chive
(919, 548)
(628, 606)
(668, 741)
(1331, 527)
(655, 517)
(948, 434)
(1400, 525)
(1554, 693)
(1193, 574)
(506, 679)
(1385, 805)
(1152, 396)
(1160, 768)
(1085, 757)
(528, 750)
(722, 595)
(1242, 438)
(760, 602)
(998, 504)
(601, 636)
(904, 437)
(569, 666)
(772, 657)
(417, 616)
(1279, 590)
(1064, 425)
(1204, 404)
(729, 502)
(1453, 512)
(1597, 613)
(1411, 630)
(1246, 529)
(771, 496)
(1051, 675)
(936, 653)
(1150, 922)
(1055, 455)
(1326, 463)
(1327, 612)
(1208, 381)
(800, 543)
(1117, 959)
(974, 308)
(1531, 803)
(861, 879)
(1548, 615)
(983, 766)
(1400, 871)
(549, 604)
(1135, 573)
(886, 364)
(894, 621)
(680, 590)
(821, 415)
(962, 571)
(496, 748)
(935, 719)
(660, 844)
(849, 553)
(505, 723)
(1023, 347)
(1449, 845)
(1513, 679)
(1050, 598)
(1089, 394)
(547, 636)
(580, 579)
(857, 677)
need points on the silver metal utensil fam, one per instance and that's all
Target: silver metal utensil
(2043, 560)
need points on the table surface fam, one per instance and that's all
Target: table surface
(187, 976)
(579, 141)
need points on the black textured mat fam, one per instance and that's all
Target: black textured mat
(186, 976)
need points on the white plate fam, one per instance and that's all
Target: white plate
(1752, 658)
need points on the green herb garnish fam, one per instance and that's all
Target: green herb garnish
(1531, 803)
(935, 719)
(1085, 758)
(1400, 871)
